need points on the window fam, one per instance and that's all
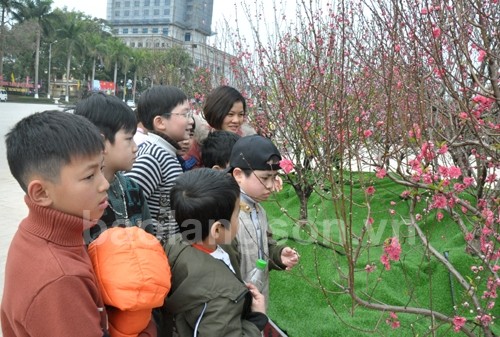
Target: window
(155, 30)
(117, 14)
(125, 30)
(139, 44)
(166, 11)
(167, 2)
(165, 31)
(117, 4)
(146, 2)
(137, 3)
(157, 2)
(132, 44)
(127, 4)
(136, 13)
(144, 30)
(135, 30)
(187, 37)
(157, 44)
(146, 12)
(156, 12)
(126, 13)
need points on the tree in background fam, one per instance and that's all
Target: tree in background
(356, 91)
(38, 11)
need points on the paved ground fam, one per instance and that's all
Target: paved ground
(12, 206)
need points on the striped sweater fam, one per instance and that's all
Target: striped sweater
(155, 170)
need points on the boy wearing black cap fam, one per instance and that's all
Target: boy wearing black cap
(254, 163)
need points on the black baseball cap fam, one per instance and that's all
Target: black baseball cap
(255, 153)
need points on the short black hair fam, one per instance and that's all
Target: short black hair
(44, 142)
(216, 148)
(219, 102)
(157, 101)
(109, 113)
(201, 197)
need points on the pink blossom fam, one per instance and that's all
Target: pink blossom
(458, 187)
(454, 172)
(405, 194)
(464, 209)
(418, 217)
(392, 212)
(481, 56)
(379, 124)
(370, 221)
(381, 172)
(370, 190)
(427, 178)
(439, 216)
(439, 201)
(424, 11)
(436, 32)
(286, 165)
(463, 115)
(443, 149)
(397, 48)
(367, 133)
(484, 319)
(469, 236)
(393, 203)
(385, 261)
(393, 320)
(468, 181)
(370, 268)
(392, 248)
(491, 178)
(458, 323)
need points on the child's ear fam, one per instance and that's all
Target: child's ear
(238, 174)
(216, 230)
(158, 123)
(38, 193)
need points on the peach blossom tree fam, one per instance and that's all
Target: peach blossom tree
(404, 90)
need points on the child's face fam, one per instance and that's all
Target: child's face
(259, 185)
(120, 156)
(81, 188)
(230, 233)
(234, 118)
(175, 127)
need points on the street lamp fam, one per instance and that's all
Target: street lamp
(50, 60)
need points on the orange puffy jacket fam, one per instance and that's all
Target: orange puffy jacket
(133, 274)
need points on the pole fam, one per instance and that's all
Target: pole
(50, 66)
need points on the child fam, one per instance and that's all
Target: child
(208, 297)
(216, 149)
(187, 162)
(50, 289)
(165, 113)
(123, 259)
(117, 123)
(254, 163)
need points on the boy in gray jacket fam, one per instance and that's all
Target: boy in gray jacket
(208, 297)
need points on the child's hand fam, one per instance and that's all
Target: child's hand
(289, 257)
(258, 300)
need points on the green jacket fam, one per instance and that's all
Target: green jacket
(204, 289)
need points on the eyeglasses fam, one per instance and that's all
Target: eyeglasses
(186, 115)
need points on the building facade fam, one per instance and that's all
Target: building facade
(160, 24)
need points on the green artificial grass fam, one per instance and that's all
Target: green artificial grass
(307, 301)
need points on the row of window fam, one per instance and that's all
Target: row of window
(145, 30)
(146, 12)
(137, 3)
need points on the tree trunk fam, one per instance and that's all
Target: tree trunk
(37, 59)
(115, 76)
(2, 40)
(68, 65)
(93, 75)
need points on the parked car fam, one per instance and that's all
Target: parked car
(3, 95)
